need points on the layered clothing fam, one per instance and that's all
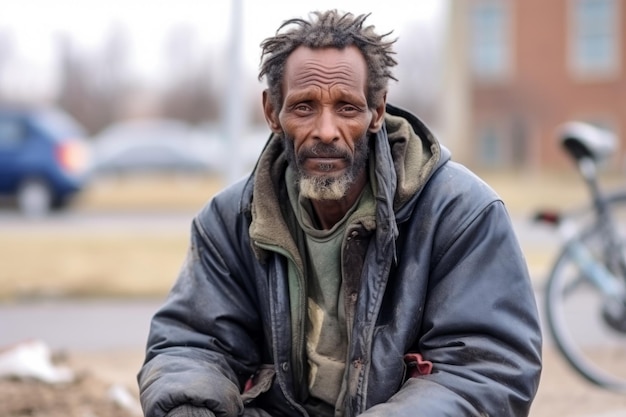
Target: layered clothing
(438, 308)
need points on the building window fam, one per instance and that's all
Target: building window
(594, 37)
(490, 152)
(489, 27)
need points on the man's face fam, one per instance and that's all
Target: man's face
(325, 119)
(319, 186)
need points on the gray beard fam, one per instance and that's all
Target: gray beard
(327, 187)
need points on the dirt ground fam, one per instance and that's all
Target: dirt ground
(87, 397)
(562, 393)
(103, 387)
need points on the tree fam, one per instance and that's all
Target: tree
(94, 87)
(418, 73)
(189, 95)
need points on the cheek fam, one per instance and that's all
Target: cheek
(295, 138)
(288, 126)
(357, 134)
(296, 132)
(296, 146)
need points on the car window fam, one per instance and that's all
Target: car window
(59, 125)
(11, 133)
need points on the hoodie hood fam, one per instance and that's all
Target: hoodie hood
(414, 150)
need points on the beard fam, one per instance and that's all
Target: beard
(327, 187)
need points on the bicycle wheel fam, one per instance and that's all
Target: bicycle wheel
(574, 312)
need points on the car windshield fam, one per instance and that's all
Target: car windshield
(60, 124)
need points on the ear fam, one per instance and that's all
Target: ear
(271, 116)
(378, 115)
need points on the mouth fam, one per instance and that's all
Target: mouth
(324, 164)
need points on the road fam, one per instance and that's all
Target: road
(95, 221)
(75, 324)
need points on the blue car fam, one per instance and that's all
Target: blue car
(43, 158)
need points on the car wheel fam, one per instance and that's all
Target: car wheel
(34, 198)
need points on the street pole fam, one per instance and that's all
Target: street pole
(235, 118)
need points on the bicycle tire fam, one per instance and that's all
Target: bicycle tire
(574, 312)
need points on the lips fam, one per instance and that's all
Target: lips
(323, 159)
(324, 164)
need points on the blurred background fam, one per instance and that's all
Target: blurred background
(172, 86)
(120, 119)
(127, 116)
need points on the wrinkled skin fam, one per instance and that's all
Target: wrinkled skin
(326, 116)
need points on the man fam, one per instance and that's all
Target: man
(357, 271)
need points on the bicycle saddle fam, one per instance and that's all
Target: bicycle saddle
(583, 140)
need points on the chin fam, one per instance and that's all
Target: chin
(324, 188)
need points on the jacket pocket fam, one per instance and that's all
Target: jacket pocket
(258, 383)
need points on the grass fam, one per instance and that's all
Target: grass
(89, 265)
(86, 264)
(149, 193)
(523, 193)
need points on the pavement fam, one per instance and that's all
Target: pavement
(79, 324)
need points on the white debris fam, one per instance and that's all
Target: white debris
(120, 395)
(32, 359)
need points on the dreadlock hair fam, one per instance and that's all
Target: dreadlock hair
(328, 29)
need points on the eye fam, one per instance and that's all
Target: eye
(348, 109)
(302, 108)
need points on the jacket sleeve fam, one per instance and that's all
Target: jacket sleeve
(480, 326)
(202, 343)
(190, 411)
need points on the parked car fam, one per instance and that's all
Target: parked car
(161, 145)
(226, 157)
(44, 158)
(147, 146)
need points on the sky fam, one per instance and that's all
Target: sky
(33, 24)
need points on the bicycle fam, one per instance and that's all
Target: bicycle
(585, 292)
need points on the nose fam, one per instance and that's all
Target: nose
(327, 129)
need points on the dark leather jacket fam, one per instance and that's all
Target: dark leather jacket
(440, 274)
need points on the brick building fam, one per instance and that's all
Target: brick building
(516, 69)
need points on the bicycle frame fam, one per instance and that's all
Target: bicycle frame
(589, 274)
(605, 220)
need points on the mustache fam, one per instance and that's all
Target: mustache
(323, 150)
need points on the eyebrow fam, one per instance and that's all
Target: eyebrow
(304, 94)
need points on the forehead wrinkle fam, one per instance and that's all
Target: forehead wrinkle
(313, 70)
(322, 81)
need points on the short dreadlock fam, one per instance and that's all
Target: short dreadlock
(328, 29)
